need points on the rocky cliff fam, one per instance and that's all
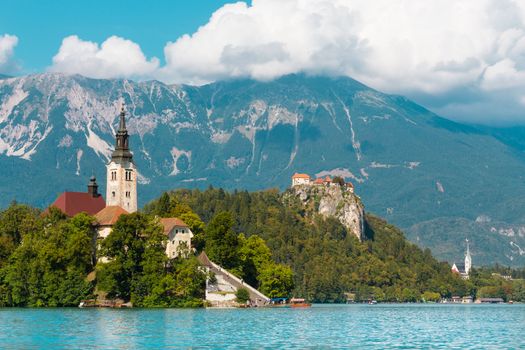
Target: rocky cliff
(333, 201)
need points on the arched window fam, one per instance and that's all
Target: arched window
(113, 194)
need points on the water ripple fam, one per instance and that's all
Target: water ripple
(321, 327)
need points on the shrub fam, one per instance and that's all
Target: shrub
(242, 295)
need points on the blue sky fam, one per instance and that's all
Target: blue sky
(41, 25)
(465, 60)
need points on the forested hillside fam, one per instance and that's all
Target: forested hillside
(326, 260)
(265, 238)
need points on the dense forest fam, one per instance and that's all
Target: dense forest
(327, 261)
(273, 244)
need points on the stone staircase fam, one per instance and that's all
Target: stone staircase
(222, 293)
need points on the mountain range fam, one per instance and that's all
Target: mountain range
(439, 180)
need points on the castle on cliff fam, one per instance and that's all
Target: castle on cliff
(305, 179)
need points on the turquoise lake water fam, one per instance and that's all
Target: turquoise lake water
(322, 326)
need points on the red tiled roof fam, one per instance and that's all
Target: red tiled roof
(318, 181)
(72, 203)
(109, 215)
(349, 184)
(300, 176)
(327, 179)
(170, 223)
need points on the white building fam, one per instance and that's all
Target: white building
(121, 189)
(464, 270)
(106, 218)
(179, 237)
(300, 179)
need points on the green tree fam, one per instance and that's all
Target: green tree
(430, 296)
(222, 242)
(125, 248)
(49, 267)
(339, 180)
(276, 280)
(15, 222)
(197, 227)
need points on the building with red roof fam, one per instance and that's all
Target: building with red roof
(318, 181)
(300, 179)
(106, 218)
(73, 203)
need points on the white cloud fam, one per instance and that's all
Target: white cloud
(403, 45)
(432, 49)
(7, 47)
(114, 58)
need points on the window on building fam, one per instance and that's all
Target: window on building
(113, 194)
(113, 175)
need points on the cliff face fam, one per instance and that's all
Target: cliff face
(334, 201)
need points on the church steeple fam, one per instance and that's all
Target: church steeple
(121, 189)
(468, 259)
(122, 152)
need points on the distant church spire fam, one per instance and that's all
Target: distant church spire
(122, 152)
(122, 124)
(468, 259)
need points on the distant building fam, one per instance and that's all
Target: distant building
(73, 203)
(179, 237)
(106, 218)
(464, 270)
(319, 181)
(467, 300)
(305, 179)
(300, 179)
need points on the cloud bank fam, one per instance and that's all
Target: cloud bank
(7, 47)
(464, 59)
(114, 58)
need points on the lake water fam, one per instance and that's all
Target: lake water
(322, 326)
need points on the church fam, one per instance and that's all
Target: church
(464, 270)
(121, 197)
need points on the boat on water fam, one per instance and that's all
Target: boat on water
(299, 303)
(278, 302)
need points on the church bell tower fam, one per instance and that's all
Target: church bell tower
(121, 189)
